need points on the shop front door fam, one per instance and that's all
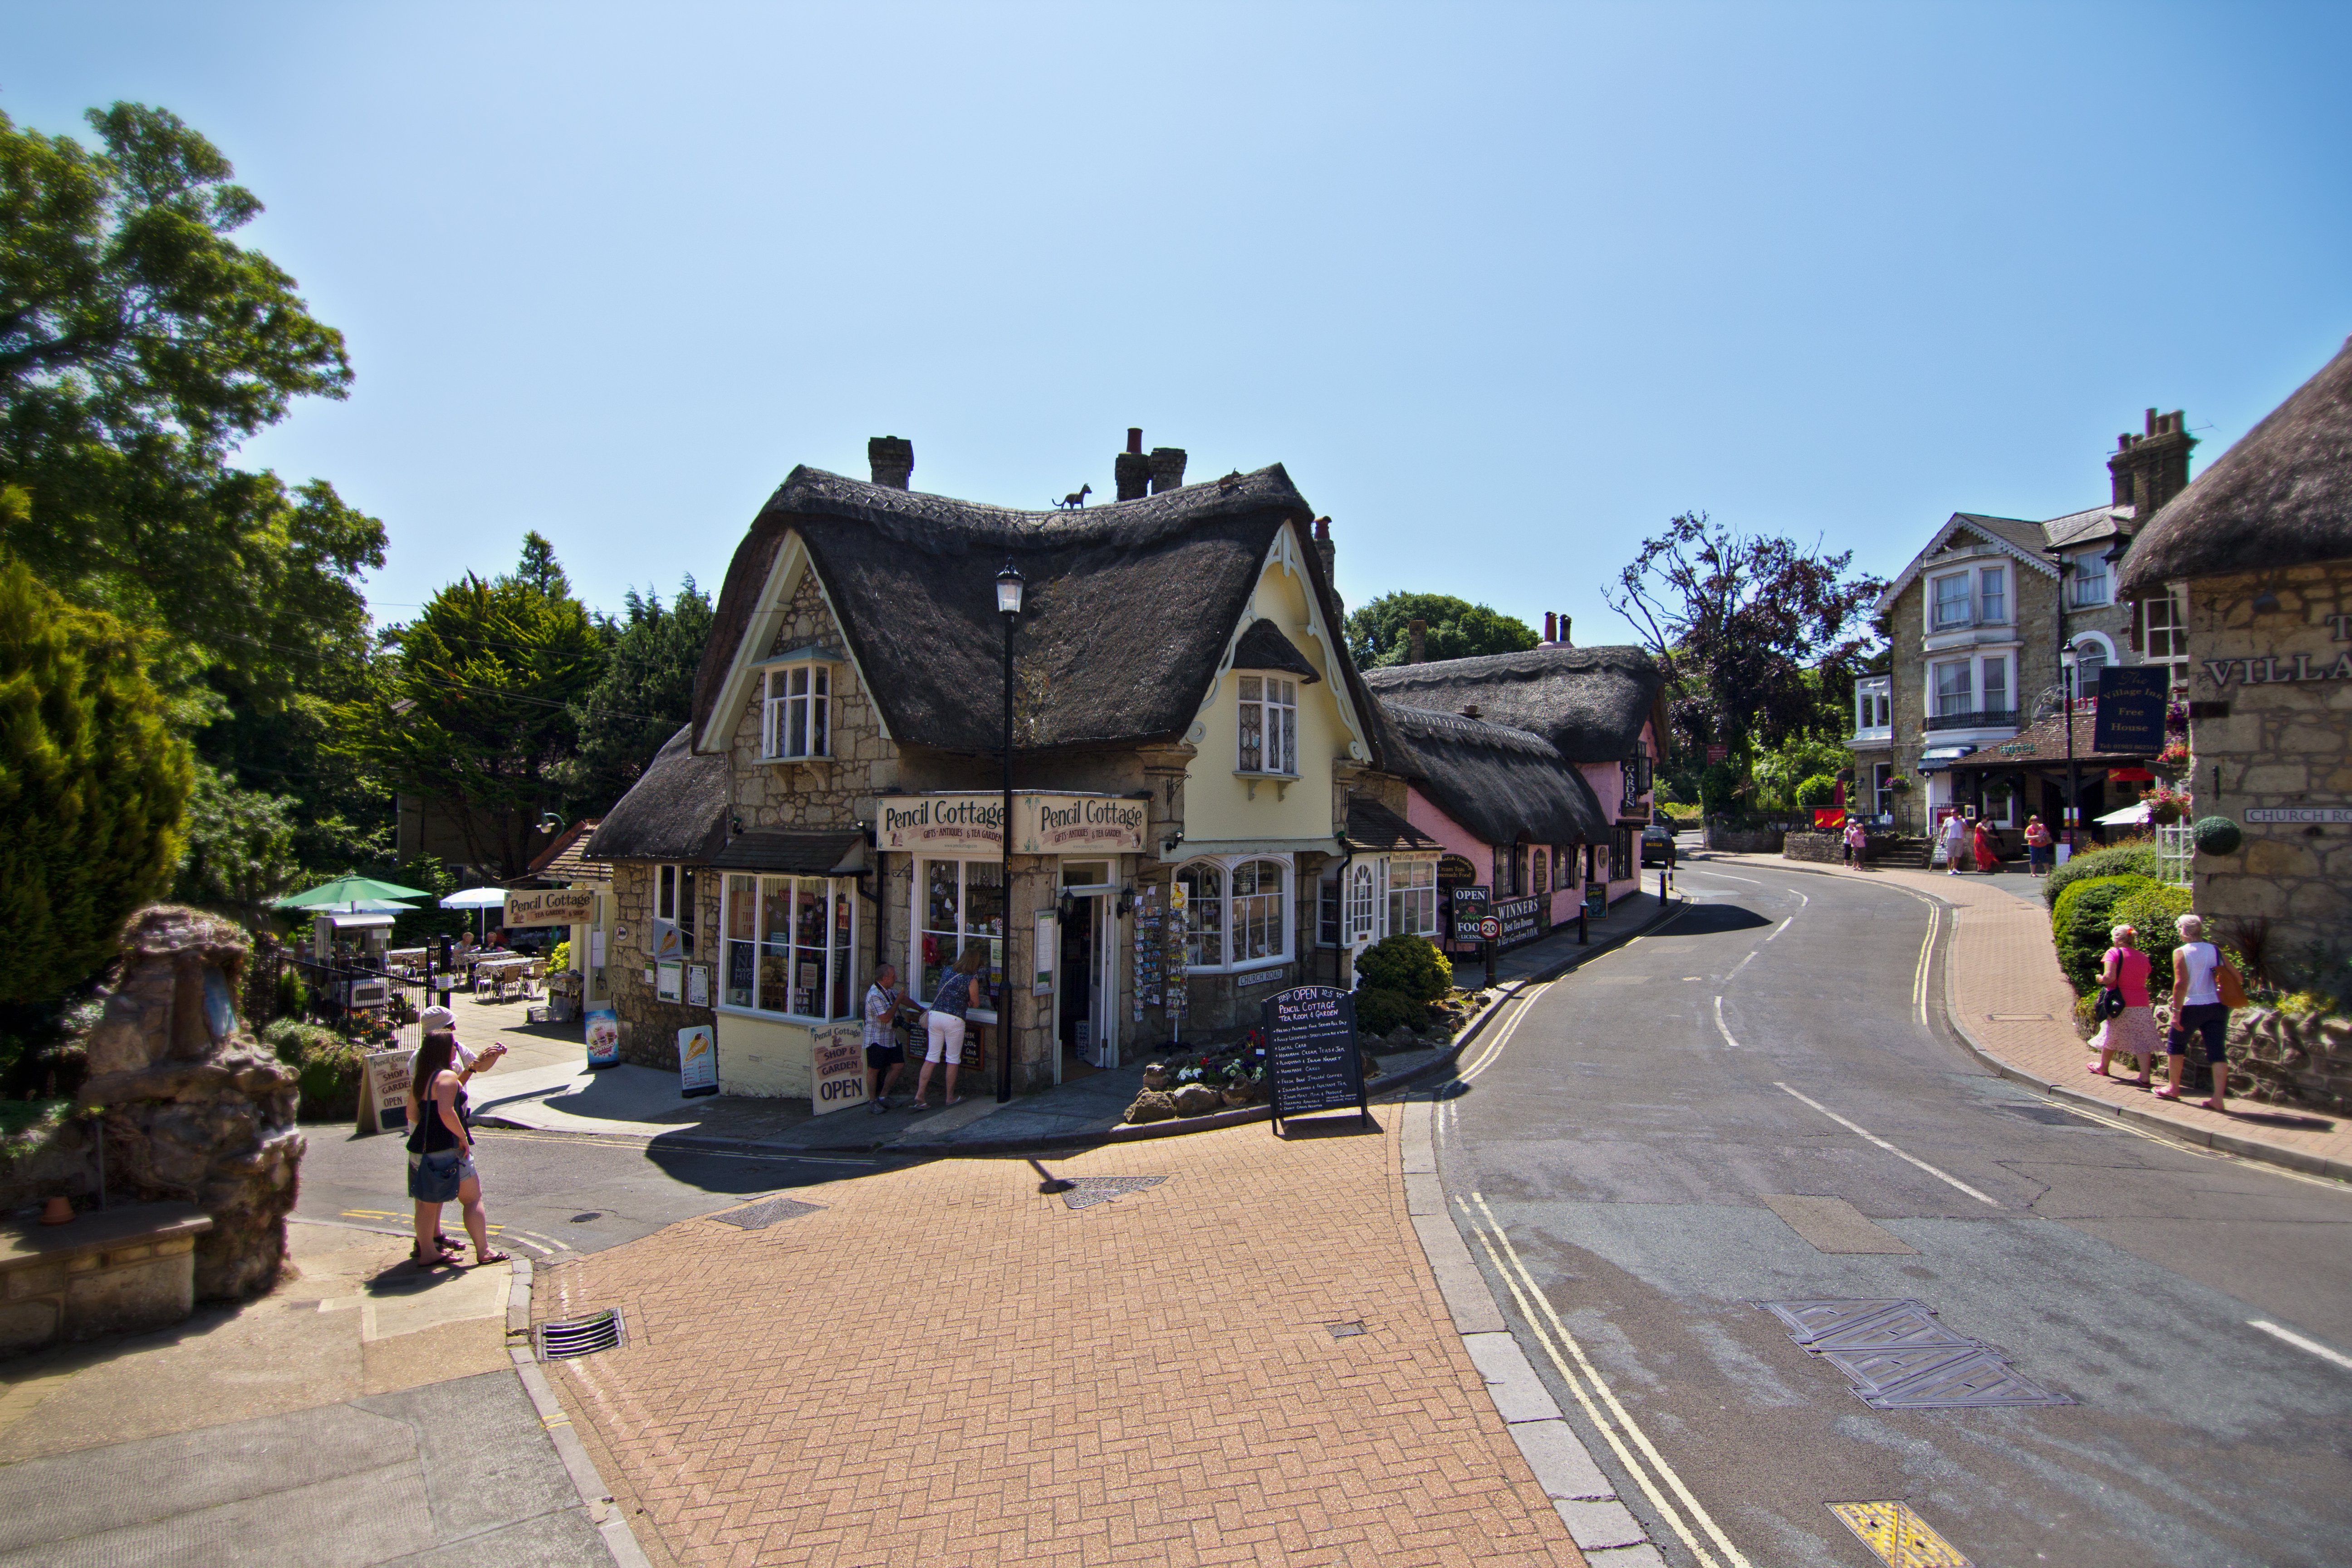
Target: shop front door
(1085, 989)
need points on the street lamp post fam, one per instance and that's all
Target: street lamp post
(1009, 583)
(2068, 666)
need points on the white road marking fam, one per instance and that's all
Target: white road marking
(1724, 875)
(1784, 925)
(1872, 1137)
(1743, 963)
(1527, 1000)
(1720, 1028)
(1584, 1373)
(2299, 1342)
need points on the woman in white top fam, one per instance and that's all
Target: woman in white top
(2197, 1008)
(1955, 834)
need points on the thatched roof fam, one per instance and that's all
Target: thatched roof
(1589, 702)
(837, 852)
(1503, 784)
(1264, 647)
(2281, 497)
(1129, 606)
(675, 811)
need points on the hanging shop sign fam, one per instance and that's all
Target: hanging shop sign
(1312, 1060)
(942, 823)
(837, 1068)
(1079, 823)
(2132, 700)
(1455, 872)
(550, 907)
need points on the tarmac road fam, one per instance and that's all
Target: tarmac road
(1641, 1142)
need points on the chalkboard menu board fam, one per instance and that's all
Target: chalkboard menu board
(1312, 1060)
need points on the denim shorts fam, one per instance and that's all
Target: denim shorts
(2209, 1019)
(435, 1178)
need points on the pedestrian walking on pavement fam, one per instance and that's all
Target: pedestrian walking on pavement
(1857, 843)
(2037, 847)
(944, 1024)
(437, 1019)
(2130, 1021)
(2204, 988)
(885, 1057)
(1987, 850)
(1956, 838)
(441, 1154)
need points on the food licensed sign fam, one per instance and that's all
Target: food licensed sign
(550, 907)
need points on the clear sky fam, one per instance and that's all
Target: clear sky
(1504, 287)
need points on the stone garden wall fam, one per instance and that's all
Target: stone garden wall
(1826, 847)
(2290, 1059)
(1744, 840)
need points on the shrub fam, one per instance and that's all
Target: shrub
(2085, 913)
(2134, 857)
(1380, 1012)
(1817, 791)
(2217, 836)
(1410, 965)
(326, 1069)
(293, 996)
(2151, 911)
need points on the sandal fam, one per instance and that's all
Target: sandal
(438, 1259)
(2095, 1070)
(2167, 1092)
(493, 1256)
(2211, 1105)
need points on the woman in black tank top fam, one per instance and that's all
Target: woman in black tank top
(441, 1153)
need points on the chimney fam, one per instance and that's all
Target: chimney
(1167, 467)
(2149, 470)
(1418, 630)
(1563, 637)
(892, 459)
(1131, 474)
(1552, 630)
(1324, 547)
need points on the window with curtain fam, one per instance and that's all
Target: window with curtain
(792, 944)
(2090, 581)
(1269, 725)
(963, 903)
(1952, 599)
(1203, 882)
(1995, 677)
(1240, 914)
(1952, 693)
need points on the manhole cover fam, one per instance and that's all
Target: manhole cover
(761, 1216)
(1345, 1330)
(580, 1336)
(1900, 1356)
(1085, 1192)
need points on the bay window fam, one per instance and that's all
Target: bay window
(1995, 675)
(962, 902)
(1952, 599)
(1953, 697)
(1992, 595)
(791, 944)
(1269, 725)
(1237, 915)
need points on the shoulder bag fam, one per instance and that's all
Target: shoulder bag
(2227, 984)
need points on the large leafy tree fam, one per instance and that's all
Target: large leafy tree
(1379, 632)
(1752, 629)
(472, 705)
(646, 692)
(93, 783)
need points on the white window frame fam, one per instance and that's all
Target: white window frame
(671, 879)
(1968, 616)
(1359, 913)
(2085, 670)
(838, 974)
(1412, 896)
(1986, 613)
(787, 735)
(2000, 662)
(1231, 921)
(1967, 694)
(919, 926)
(2090, 570)
(1267, 699)
(2175, 629)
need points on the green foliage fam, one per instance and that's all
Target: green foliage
(428, 921)
(2151, 912)
(1781, 775)
(2132, 858)
(2217, 836)
(559, 957)
(476, 707)
(325, 1066)
(1409, 966)
(1815, 792)
(2085, 913)
(1380, 1012)
(27, 1124)
(646, 693)
(93, 787)
(1379, 633)
(240, 853)
(293, 997)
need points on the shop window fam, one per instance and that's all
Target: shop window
(673, 902)
(1620, 855)
(1563, 864)
(1237, 915)
(1412, 898)
(797, 717)
(792, 944)
(1269, 725)
(963, 903)
(1326, 910)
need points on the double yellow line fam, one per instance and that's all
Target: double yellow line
(1624, 1436)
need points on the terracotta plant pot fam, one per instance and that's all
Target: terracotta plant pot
(57, 1211)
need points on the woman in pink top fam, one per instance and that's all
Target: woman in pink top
(2133, 1031)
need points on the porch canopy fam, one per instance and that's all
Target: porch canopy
(2041, 747)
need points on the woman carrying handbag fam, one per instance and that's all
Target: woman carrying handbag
(2128, 1022)
(2204, 988)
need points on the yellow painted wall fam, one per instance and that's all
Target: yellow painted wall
(763, 1056)
(1218, 806)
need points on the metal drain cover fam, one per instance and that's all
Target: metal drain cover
(1085, 1192)
(1898, 1356)
(580, 1336)
(761, 1216)
(1345, 1330)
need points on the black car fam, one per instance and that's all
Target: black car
(1658, 843)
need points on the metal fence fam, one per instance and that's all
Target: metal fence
(376, 1007)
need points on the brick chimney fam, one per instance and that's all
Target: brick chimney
(892, 460)
(1563, 640)
(1418, 632)
(1167, 467)
(2150, 469)
(1325, 548)
(1552, 630)
(1131, 474)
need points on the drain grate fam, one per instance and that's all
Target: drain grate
(761, 1216)
(1085, 1192)
(1345, 1330)
(580, 1336)
(1900, 1356)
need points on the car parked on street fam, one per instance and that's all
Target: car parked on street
(1658, 842)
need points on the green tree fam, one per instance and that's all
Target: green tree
(240, 847)
(93, 786)
(1379, 632)
(646, 692)
(473, 704)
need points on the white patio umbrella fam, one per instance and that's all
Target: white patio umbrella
(2129, 816)
(478, 900)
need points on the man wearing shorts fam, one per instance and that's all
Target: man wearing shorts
(885, 1057)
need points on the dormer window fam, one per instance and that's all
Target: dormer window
(796, 714)
(1269, 726)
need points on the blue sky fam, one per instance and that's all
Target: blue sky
(1505, 287)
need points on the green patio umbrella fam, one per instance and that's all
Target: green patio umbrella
(346, 889)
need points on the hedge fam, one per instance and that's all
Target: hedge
(2134, 859)
(2086, 912)
(2151, 912)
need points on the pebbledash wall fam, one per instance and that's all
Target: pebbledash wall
(2271, 730)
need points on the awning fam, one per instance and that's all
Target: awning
(2129, 775)
(2129, 816)
(841, 853)
(361, 922)
(1936, 759)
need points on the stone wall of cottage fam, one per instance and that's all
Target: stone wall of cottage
(2270, 695)
(649, 1025)
(824, 792)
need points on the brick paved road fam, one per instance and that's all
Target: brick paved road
(947, 1366)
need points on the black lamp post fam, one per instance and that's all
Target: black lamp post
(2066, 699)
(1009, 583)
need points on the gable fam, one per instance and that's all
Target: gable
(1964, 529)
